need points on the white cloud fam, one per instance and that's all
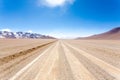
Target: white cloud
(9, 30)
(55, 3)
(30, 31)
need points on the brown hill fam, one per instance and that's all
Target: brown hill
(112, 34)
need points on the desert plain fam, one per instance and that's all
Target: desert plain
(51, 59)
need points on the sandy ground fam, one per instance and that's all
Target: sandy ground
(62, 60)
(11, 46)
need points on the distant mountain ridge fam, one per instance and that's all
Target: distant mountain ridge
(23, 35)
(112, 34)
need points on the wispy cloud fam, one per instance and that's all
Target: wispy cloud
(54, 3)
(30, 31)
(9, 30)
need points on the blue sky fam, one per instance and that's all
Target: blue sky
(60, 18)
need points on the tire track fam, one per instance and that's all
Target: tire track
(27, 66)
(99, 69)
(60, 61)
(11, 67)
(16, 55)
(47, 67)
(32, 71)
(64, 72)
(78, 69)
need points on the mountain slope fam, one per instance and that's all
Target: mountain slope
(112, 34)
(23, 35)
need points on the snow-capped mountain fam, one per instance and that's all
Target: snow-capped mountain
(22, 35)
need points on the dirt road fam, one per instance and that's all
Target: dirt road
(65, 60)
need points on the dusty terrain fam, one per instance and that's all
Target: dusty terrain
(59, 60)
